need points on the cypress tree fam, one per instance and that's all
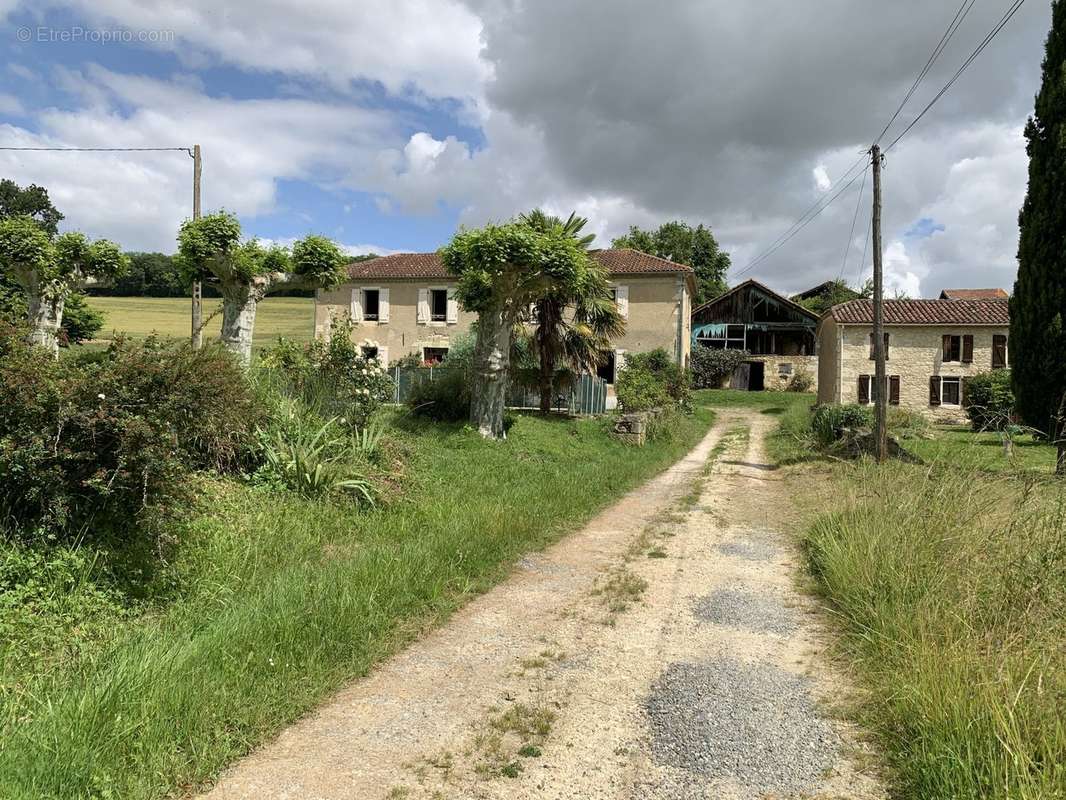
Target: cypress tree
(1038, 305)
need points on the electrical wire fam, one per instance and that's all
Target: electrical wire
(854, 219)
(102, 149)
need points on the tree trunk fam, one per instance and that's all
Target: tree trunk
(492, 359)
(45, 317)
(547, 374)
(1060, 459)
(238, 318)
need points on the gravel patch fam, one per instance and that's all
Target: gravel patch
(763, 612)
(748, 723)
(751, 548)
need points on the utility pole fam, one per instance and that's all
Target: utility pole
(880, 387)
(197, 289)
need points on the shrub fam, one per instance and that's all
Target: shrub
(652, 380)
(802, 381)
(830, 421)
(447, 398)
(710, 367)
(332, 377)
(100, 440)
(989, 400)
(907, 424)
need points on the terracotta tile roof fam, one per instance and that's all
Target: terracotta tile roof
(621, 261)
(973, 294)
(925, 312)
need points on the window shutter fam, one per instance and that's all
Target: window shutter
(422, 310)
(864, 389)
(453, 308)
(621, 297)
(383, 305)
(946, 344)
(619, 362)
(934, 390)
(357, 305)
(999, 351)
(967, 349)
(893, 390)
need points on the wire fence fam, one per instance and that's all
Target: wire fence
(586, 394)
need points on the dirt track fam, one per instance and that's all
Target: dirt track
(660, 652)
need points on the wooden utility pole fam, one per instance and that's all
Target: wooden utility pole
(880, 387)
(197, 289)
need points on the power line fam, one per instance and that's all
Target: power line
(102, 149)
(854, 219)
(866, 244)
(953, 26)
(1011, 11)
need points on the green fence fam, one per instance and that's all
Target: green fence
(587, 394)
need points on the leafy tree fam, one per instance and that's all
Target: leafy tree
(151, 275)
(696, 247)
(48, 271)
(833, 293)
(572, 329)
(247, 272)
(31, 201)
(501, 269)
(1038, 304)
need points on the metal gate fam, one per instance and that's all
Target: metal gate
(586, 395)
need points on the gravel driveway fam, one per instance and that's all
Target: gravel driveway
(661, 652)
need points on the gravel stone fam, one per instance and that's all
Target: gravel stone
(751, 548)
(750, 723)
(763, 612)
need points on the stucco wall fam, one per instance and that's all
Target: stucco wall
(915, 353)
(655, 315)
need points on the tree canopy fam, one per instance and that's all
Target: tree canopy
(30, 201)
(1038, 304)
(680, 242)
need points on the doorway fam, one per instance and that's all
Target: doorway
(749, 376)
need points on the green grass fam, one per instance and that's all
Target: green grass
(950, 587)
(957, 444)
(277, 602)
(787, 443)
(137, 317)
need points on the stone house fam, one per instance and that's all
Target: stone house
(404, 304)
(933, 347)
(777, 332)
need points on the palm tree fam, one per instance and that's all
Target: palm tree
(573, 330)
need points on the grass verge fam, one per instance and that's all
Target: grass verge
(283, 600)
(950, 586)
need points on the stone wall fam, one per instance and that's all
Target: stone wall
(780, 369)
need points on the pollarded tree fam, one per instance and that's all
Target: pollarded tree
(1038, 305)
(247, 272)
(48, 271)
(573, 328)
(502, 269)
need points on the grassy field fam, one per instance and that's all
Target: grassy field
(957, 444)
(137, 317)
(273, 602)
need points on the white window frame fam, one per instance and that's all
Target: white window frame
(425, 347)
(362, 304)
(429, 304)
(620, 294)
(954, 379)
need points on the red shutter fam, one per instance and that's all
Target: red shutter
(934, 390)
(999, 351)
(864, 389)
(967, 349)
(946, 343)
(893, 390)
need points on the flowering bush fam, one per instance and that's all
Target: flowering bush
(711, 367)
(332, 377)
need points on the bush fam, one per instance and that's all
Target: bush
(710, 367)
(989, 400)
(80, 320)
(907, 424)
(332, 378)
(652, 380)
(802, 381)
(830, 421)
(447, 398)
(99, 441)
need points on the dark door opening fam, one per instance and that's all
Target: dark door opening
(749, 376)
(605, 371)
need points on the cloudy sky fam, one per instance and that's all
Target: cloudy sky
(385, 124)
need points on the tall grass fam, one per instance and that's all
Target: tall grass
(951, 588)
(285, 599)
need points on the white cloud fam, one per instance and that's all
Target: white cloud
(821, 178)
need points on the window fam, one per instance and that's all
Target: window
(999, 351)
(784, 369)
(950, 391)
(438, 305)
(369, 351)
(724, 337)
(371, 304)
(958, 348)
(866, 387)
(434, 355)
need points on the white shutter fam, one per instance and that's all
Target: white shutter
(619, 363)
(383, 305)
(453, 308)
(422, 312)
(357, 305)
(621, 297)
(383, 356)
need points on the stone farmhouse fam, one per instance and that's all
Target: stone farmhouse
(778, 333)
(933, 347)
(404, 304)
